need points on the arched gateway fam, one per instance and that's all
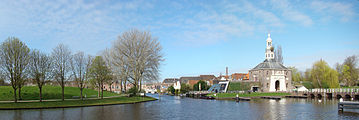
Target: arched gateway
(277, 85)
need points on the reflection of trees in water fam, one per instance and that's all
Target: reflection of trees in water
(18, 115)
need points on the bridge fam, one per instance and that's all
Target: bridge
(345, 93)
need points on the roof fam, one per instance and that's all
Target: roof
(170, 80)
(207, 77)
(185, 79)
(269, 64)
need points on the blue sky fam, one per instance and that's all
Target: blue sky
(198, 36)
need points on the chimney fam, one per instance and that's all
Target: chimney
(226, 73)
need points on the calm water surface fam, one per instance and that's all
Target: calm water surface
(171, 107)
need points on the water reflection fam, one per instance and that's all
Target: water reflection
(170, 107)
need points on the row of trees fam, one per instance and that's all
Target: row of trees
(20, 65)
(135, 57)
(321, 75)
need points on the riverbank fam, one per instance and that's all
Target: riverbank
(49, 92)
(74, 103)
(251, 95)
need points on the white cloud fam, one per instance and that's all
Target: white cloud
(291, 13)
(344, 11)
(298, 17)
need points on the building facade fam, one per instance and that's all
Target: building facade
(272, 75)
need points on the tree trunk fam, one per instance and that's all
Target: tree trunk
(125, 86)
(20, 93)
(81, 93)
(63, 93)
(101, 91)
(98, 93)
(63, 90)
(15, 97)
(40, 94)
(140, 86)
(110, 87)
(121, 86)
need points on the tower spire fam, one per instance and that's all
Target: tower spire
(270, 50)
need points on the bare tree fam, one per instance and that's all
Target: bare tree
(106, 54)
(141, 55)
(278, 56)
(40, 69)
(14, 60)
(80, 67)
(121, 67)
(61, 56)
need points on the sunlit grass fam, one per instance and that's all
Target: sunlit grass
(48, 92)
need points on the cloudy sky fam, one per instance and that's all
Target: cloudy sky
(198, 36)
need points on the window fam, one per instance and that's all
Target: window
(267, 85)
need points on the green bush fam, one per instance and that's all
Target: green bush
(171, 90)
(133, 90)
(204, 86)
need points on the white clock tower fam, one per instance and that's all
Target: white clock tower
(270, 49)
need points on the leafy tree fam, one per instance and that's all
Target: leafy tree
(185, 88)
(351, 74)
(171, 89)
(204, 86)
(296, 75)
(346, 75)
(15, 57)
(40, 69)
(99, 73)
(323, 76)
(307, 75)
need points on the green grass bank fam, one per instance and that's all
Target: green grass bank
(74, 103)
(48, 92)
(232, 95)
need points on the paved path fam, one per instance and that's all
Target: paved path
(24, 101)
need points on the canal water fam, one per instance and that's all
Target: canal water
(181, 108)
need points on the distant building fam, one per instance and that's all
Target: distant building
(187, 79)
(207, 77)
(170, 81)
(240, 76)
(272, 75)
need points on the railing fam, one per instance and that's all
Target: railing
(335, 90)
(199, 92)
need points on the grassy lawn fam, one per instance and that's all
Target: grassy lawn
(48, 92)
(74, 103)
(224, 95)
(242, 86)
